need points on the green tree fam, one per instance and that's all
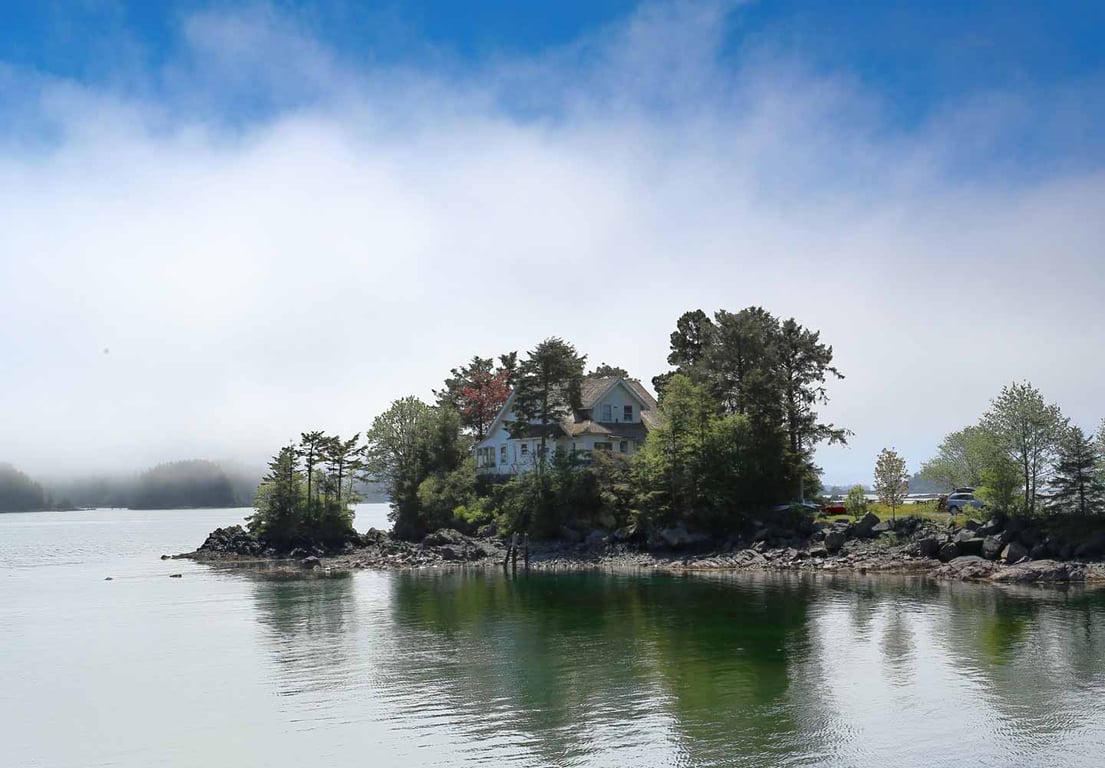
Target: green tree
(344, 459)
(547, 390)
(284, 517)
(604, 371)
(804, 364)
(856, 501)
(396, 455)
(311, 447)
(960, 459)
(1028, 431)
(1076, 486)
(407, 444)
(891, 479)
(1000, 483)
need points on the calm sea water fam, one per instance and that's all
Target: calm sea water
(228, 668)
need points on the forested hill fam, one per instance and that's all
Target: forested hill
(19, 493)
(179, 484)
(194, 483)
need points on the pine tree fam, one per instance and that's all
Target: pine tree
(548, 388)
(1076, 486)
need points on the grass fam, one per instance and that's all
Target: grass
(925, 511)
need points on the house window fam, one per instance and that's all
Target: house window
(485, 457)
(627, 413)
(502, 454)
(623, 446)
(607, 412)
(604, 446)
(525, 450)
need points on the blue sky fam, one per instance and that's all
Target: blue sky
(183, 183)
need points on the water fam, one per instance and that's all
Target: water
(227, 667)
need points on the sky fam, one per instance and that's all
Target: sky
(222, 224)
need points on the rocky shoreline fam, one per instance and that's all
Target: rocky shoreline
(1000, 551)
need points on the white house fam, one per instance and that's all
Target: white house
(616, 416)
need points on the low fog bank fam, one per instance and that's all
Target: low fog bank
(188, 484)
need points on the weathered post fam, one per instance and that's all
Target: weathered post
(514, 551)
(525, 551)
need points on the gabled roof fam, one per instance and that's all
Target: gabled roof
(592, 391)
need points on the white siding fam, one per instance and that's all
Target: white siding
(617, 398)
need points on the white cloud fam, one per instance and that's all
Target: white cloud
(253, 279)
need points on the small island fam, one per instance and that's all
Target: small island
(536, 459)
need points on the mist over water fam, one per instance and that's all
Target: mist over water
(227, 666)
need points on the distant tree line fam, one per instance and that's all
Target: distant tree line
(173, 485)
(19, 493)
(1025, 456)
(738, 425)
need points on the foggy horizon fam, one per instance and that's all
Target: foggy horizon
(261, 231)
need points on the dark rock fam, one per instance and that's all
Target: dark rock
(1093, 548)
(969, 544)
(1013, 552)
(166, 557)
(972, 525)
(570, 535)
(445, 536)
(297, 553)
(928, 547)
(834, 540)
(450, 552)
(992, 546)
(596, 539)
(949, 551)
(820, 551)
(310, 562)
(176, 575)
(487, 531)
(108, 578)
(884, 527)
(864, 527)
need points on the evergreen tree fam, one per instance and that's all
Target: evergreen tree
(311, 448)
(607, 371)
(1076, 486)
(547, 389)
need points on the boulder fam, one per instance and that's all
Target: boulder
(928, 547)
(1039, 570)
(444, 536)
(310, 562)
(884, 527)
(834, 540)
(972, 525)
(992, 546)
(487, 531)
(949, 552)
(1013, 552)
(969, 543)
(865, 526)
(1092, 548)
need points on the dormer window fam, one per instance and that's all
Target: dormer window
(627, 413)
(607, 412)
